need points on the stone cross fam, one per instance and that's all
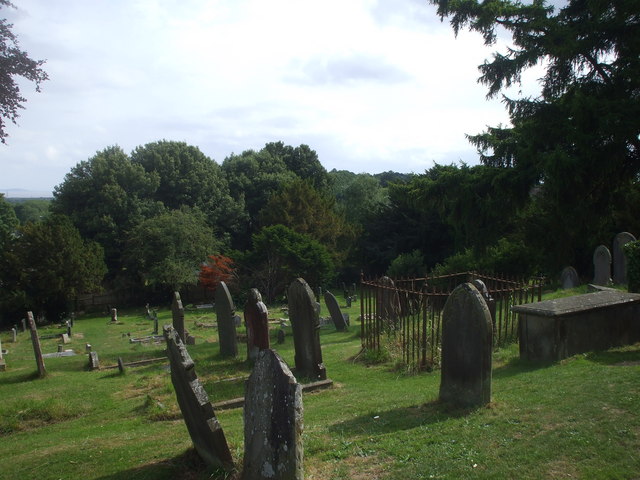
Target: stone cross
(619, 257)
(177, 312)
(37, 350)
(334, 309)
(305, 323)
(569, 278)
(601, 265)
(203, 426)
(273, 421)
(256, 318)
(466, 348)
(225, 311)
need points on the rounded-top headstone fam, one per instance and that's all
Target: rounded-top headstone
(601, 265)
(569, 278)
(225, 312)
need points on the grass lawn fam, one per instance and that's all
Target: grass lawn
(579, 418)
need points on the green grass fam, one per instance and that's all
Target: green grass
(579, 418)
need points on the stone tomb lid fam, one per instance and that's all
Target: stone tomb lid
(577, 303)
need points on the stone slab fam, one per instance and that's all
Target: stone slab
(577, 303)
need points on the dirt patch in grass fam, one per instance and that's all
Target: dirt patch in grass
(561, 468)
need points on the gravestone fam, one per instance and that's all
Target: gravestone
(334, 309)
(281, 336)
(256, 317)
(155, 323)
(203, 426)
(14, 335)
(388, 303)
(114, 315)
(94, 362)
(24, 325)
(65, 338)
(120, 365)
(569, 278)
(273, 421)
(177, 312)
(318, 294)
(305, 323)
(68, 325)
(601, 265)
(466, 348)
(3, 365)
(225, 312)
(37, 350)
(619, 257)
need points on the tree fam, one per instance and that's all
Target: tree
(302, 161)
(32, 210)
(8, 221)
(218, 268)
(357, 194)
(14, 63)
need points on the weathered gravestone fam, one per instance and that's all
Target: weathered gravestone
(94, 362)
(114, 315)
(24, 325)
(225, 312)
(273, 415)
(177, 312)
(601, 265)
(334, 309)
(121, 365)
(14, 335)
(305, 323)
(619, 257)
(3, 365)
(388, 303)
(204, 428)
(37, 350)
(466, 348)
(569, 278)
(256, 317)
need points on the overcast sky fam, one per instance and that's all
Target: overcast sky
(369, 85)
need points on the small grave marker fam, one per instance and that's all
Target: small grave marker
(14, 335)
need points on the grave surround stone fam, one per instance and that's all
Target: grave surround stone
(37, 349)
(602, 266)
(273, 421)
(467, 344)
(620, 258)
(203, 426)
(256, 317)
(334, 310)
(225, 313)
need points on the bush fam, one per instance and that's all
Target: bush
(632, 250)
(407, 265)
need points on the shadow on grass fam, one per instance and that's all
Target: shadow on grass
(623, 356)
(187, 466)
(517, 366)
(405, 418)
(23, 377)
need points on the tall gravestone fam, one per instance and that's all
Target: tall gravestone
(205, 430)
(334, 309)
(601, 265)
(388, 303)
(273, 421)
(569, 278)
(466, 348)
(619, 257)
(305, 323)
(177, 312)
(37, 350)
(225, 311)
(256, 318)
(3, 365)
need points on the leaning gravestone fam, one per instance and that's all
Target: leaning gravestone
(37, 350)
(388, 303)
(466, 348)
(256, 317)
(569, 278)
(177, 312)
(225, 311)
(273, 415)
(305, 323)
(619, 257)
(94, 362)
(601, 265)
(334, 310)
(204, 428)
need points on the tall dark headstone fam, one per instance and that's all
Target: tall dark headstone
(24, 325)
(37, 350)
(619, 257)
(466, 348)
(273, 421)
(225, 311)
(334, 309)
(305, 323)
(256, 317)
(177, 312)
(601, 265)
(204, 428)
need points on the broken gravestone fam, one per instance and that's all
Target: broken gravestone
(204, 428)
(466, 348)
(225, 312)
(256, 318)
(305, 323)
(619, 257)
(177, 312)
(601, 266)
(273, 421)
(334, 309)
(37, 350)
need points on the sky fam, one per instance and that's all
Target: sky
(370, 85)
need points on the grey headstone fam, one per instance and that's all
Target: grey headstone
(305, 323)
(0, 349)
(60, 347)
(204, 428)
(281, 336)
(256, 317)
(37, 350)
(120, 365)
(87, 347)
(14, 335)
(177, 312)
(273, 421)
(114, 315)
(569, 278)
(237, 320)
(345, 316)
(24, 325)
(155, 323)
(334, 309)
(466, 348)
(190, 340)
(601, 265)
(94, 362)
(65, 338)
(619, 257)
(225, 313)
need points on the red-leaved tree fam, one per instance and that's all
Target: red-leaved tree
(217, 269)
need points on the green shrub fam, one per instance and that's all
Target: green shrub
(632, 250)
